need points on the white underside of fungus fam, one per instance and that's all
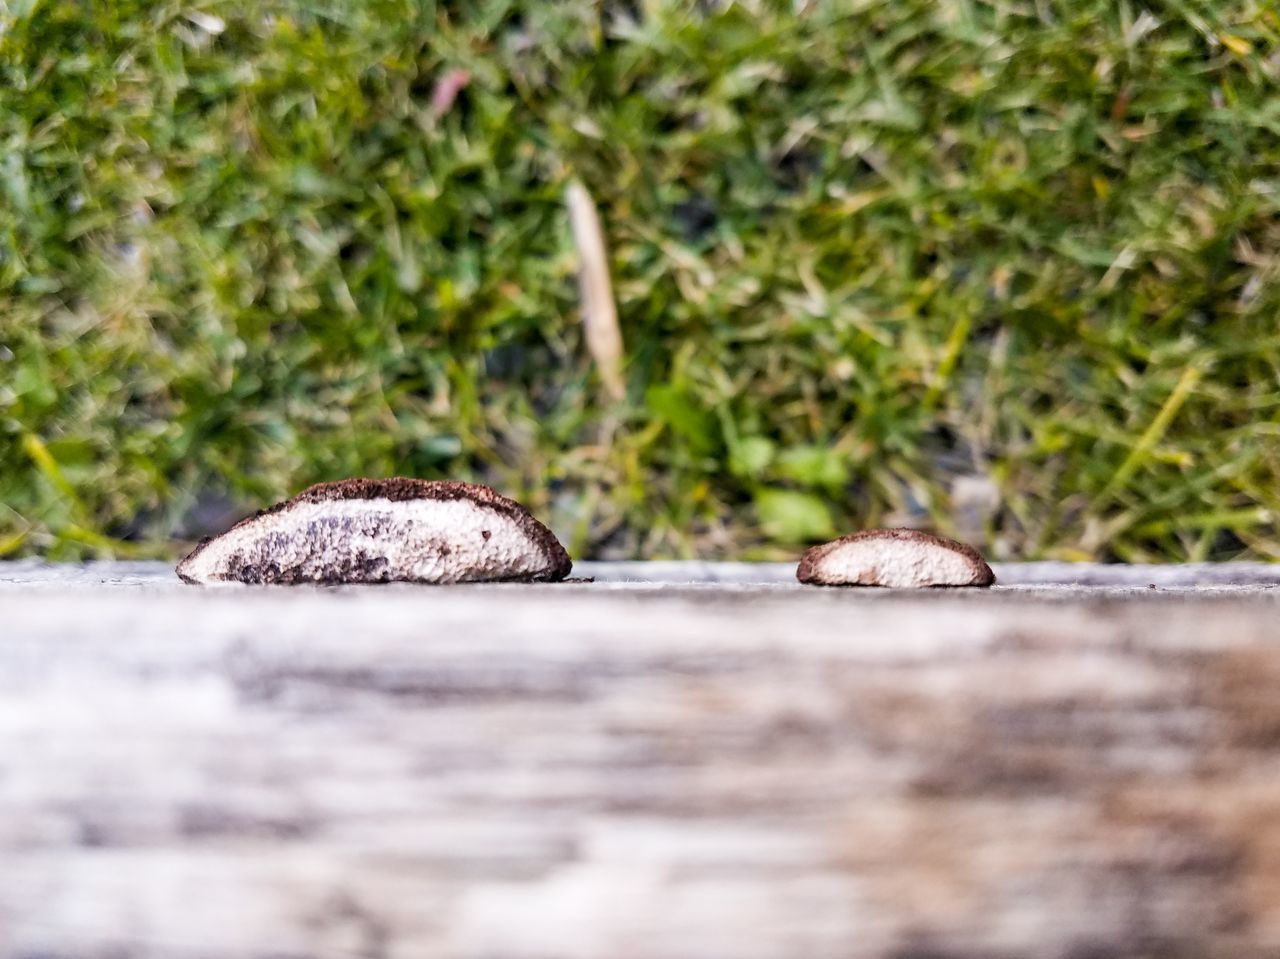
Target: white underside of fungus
(895, 558)
(378, 531)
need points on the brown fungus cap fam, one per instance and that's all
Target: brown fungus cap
(897, 558)
(381, 531)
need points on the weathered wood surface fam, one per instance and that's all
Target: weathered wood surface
(586, 771)
(29, 575)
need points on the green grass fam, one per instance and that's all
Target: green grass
(1008, 270)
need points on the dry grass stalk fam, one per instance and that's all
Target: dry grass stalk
(599, 312)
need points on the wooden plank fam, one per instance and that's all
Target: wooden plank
(568, 771)
(37, 574)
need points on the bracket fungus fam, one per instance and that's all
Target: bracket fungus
(897, 558)
(382, 531)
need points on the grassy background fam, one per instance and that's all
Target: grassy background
(1007, 270)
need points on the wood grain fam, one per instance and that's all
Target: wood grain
(559, 771)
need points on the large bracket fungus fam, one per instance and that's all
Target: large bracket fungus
(381, 531)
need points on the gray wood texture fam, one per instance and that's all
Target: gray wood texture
(673, 762)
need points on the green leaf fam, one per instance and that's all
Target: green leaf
(686, 418)
(751, 456)
(814, 466)
(793, 517)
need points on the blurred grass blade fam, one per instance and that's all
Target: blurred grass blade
(1151, 436)
(10, 544)
(49, 469)
(78, 529)
(599, 312)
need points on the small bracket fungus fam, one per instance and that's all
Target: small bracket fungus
(897, 558)
(382, 531)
